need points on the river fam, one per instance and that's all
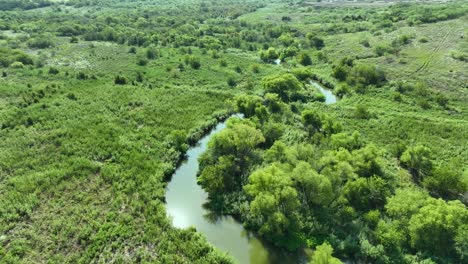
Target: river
(184, 204)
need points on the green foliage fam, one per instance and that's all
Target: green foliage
(304, 59)
(435, 226)
(246, 104)
(120, 80)
(367, 193)
(193, 61)
(274, 204)
(362, 112)
(231, 82)
(229, 154)
(303, 74)
(363, 74)
(96, 156)
(42, 42)
(312, 120)
(9, 56)
(24, 4)
(315, 41)
(269, 55)
(417, 160)
(343, 140)
(314, 188)
(53, 70)
(281, 84)
(151, 53)
(446, 182)
(323, 255)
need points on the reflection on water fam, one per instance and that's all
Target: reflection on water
(185, 200)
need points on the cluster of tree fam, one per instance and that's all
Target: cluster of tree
(42, 42)
(10, 57)
(23, 4)
(358, 75)
(298, 180)
(441, 181)
(289, 171)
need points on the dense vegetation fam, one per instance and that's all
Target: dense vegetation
(99, 101)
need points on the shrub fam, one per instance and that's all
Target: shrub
(269, 55)
(142, 62)
(365, 43)
(17, 65)
(53, 70)
(81, 76)
(231, 82)
(361, 112)
(303, 74)
(441, 100)
(281, 84)
(423, 40)
(193, 61)
(305, 59)
(151, 53)
(42, 42)
(366, 75)
(255, 68)
(120, 80)
(132, 50)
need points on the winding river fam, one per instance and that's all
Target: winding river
(185, 201)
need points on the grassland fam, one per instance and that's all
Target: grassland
(98, 101)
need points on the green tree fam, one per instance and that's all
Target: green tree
(417, 160)
(272, 131)
(366, 194)
(269, 55)
(314, 188)
(274, 205)
(366, 161)
(446, 182)
(434, 227)
(323, 255)
(313, 121)
(343, 140)
(224, 167)
(151, 53)
(305, 59)
(221, 176)
(281, 84)
(461, 242)
(246, 104)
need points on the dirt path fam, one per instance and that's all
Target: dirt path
(430, 58)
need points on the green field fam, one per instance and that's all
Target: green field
(99, 101)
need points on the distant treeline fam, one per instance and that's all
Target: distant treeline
(23, 4)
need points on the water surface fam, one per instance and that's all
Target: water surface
(330, 98)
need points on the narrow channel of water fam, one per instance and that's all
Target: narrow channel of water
(330, 98)
(184, 204)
